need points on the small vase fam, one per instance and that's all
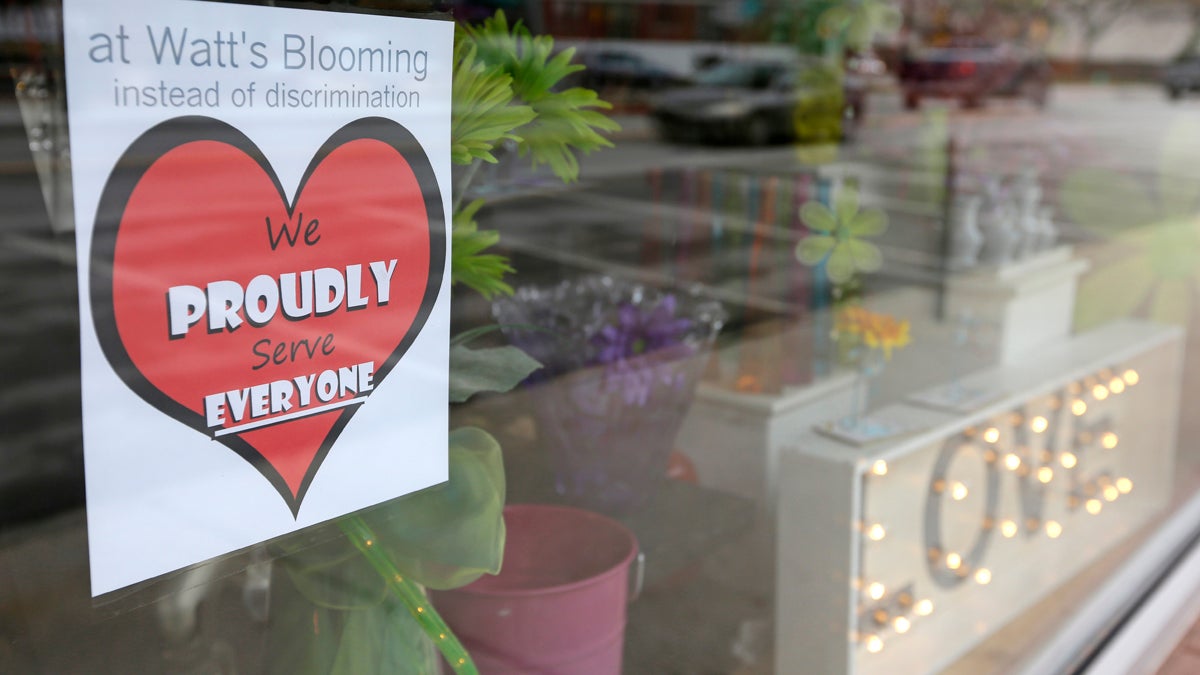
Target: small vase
(621, 365)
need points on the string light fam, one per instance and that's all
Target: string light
(879, 468)
(983, 576)
(1093, 506)
(1012, 462)
(1130, 376)
(958, 492)
(874, 644)
(1124, 485)
(1068, 460)
(923, 607)
(1116, 385)
(1053, 529)
(1039, 424)
(876, 591)
(1109, 440)
(953, 561)
(1078, 407)
(991, 435)
(1099, 392)
(901, 625)
(1009, 529)
(1111, 493)
(1045, 474)
(876, 532)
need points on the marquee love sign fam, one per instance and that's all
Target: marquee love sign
(280, 316)
(902, 557)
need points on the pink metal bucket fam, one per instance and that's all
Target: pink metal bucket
(558, 605)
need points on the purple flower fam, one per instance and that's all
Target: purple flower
(640, 330)
(640, 348)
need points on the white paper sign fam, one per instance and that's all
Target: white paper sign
(261, 204)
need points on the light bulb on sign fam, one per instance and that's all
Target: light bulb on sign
(1111, 493)
(1053, 529)
(874, 644)
(1039, 424)
(1068, 460)
(1130, 376)
(901, 624)
(1012, 462)
(876, 591)
(958, 491)
(879, 468)
(923, 607)
(953, 561)
(1099, 392)
(1109, 440)
(1124, 485)
(983, 576)
(991, 435)
(1078, 407)
(1008, 528)
(1045, 474)
(1093, 506)
(1116, 385)
(876, 532)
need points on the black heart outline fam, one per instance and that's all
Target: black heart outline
(170, 134)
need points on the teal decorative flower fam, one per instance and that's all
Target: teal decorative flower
(837, 236)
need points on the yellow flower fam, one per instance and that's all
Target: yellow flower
(876, 330)
(886, 333)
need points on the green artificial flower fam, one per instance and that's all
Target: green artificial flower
(837, 237)
(1152, 263)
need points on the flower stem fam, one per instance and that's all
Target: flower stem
(409, 593)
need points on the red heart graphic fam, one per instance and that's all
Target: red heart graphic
(195, 215)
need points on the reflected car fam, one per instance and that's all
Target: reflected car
(1182, 76)
(758, 102)
(973, 72)
(616, 68)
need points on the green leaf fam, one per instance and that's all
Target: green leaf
(384, 639)
(565, 122)
(869, 223)
(840, 267)
(814, 248)
(468, 264)
(442, 537)
(451, 534)
(845, 204)
(497, 369)
(482, 113)
(866, 256)
(818, 217)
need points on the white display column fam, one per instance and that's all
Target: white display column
(1029, 303)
